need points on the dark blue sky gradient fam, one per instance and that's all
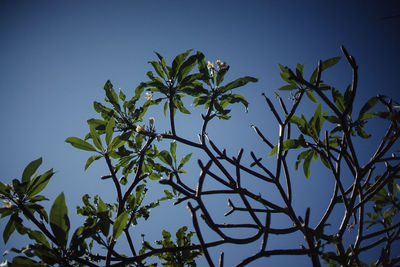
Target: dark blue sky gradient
(55, 57)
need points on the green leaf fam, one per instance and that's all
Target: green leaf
(91, 159)
(236, 83)
(307, 163)
(184, 160)
(178, 103)
(121, 95)
(116, 143)
(80, 144)
(332, 119)
(3, 189)
(274, 150)
(98, 124)
(287, 144)
(39, 183)
(59, 220)
(165, 108)
(163, 64)
(202, 65)
(311, 96)
(348, 99)
(366, 116)
(21, 261)
(288, 87)
(180, 236)
(201, 100)
(105, 112)
(316, 122)
(154, 176)
(221, 74)
(165, 157)
(109, 130)
(30, 169)
(285, 75)
(178, 60)
(96, 138)
(172, 149)
(325, 65)
(157, 67)
(299, 70)
(187, 67)
(233, 98)
(120, 224)
(111, 95)
(300, 122)
(9, 229)
(338, 99)
(38, 237)
(367, 106)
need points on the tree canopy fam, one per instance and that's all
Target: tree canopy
(362, 214)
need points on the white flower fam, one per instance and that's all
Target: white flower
(151, 120)
(139, 129)
(5, 263)
(7, 204)
(149, 96)
(210, 65)
(159, 137)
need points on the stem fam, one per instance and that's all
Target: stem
(171, 113)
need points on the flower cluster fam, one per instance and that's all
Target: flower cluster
(220, 65)
(149, 129)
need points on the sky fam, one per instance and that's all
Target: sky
(55, 57)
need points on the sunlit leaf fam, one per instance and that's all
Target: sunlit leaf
(80, 144)
(120, 224)
(111, 95)
(311, 96)
(165, 157)
(96, 138)
(109, 130)
(154, 176)
(173, 150)
(91, 159)
(288, 87)
(325, 65)
(184, 160)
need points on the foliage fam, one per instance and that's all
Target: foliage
(130, 149)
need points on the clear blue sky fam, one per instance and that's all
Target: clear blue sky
(55, 57)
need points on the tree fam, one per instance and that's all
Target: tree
(365, 192)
